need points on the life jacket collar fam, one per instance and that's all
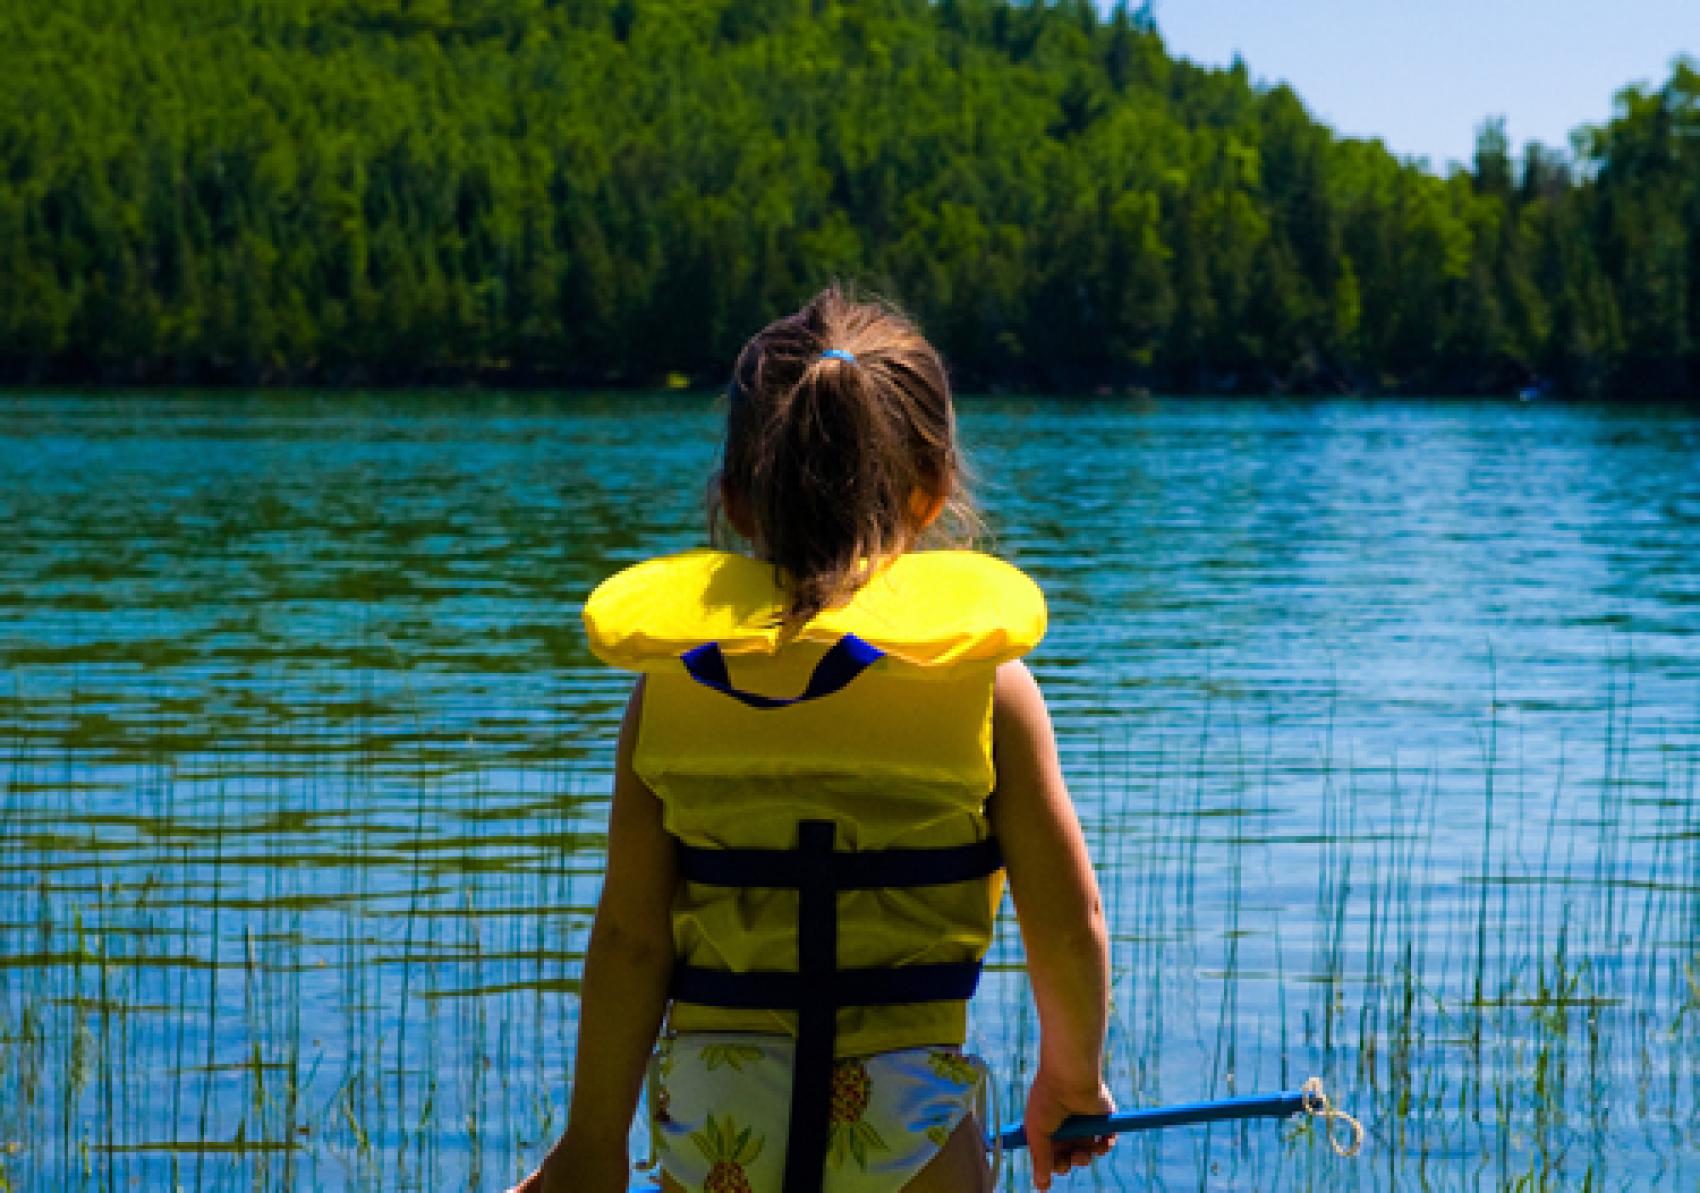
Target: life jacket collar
(926, 609)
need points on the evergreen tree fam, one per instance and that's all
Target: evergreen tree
(609, 191)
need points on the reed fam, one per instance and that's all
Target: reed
(345, 960)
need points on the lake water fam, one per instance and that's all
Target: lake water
(1383, 719)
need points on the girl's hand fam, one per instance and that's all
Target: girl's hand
(1048, 1103)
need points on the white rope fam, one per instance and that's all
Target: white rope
(1317, 1105)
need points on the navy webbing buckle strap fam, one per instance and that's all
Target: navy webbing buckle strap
(819, 987)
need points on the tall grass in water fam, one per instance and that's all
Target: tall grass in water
(305, 968)
(345, 959)
(1506, 992)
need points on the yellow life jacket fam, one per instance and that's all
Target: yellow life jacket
(827, 788)
(901, 757)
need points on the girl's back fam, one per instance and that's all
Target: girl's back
(803, 868)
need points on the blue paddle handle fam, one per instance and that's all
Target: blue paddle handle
(1083, 1126)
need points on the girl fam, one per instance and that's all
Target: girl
(832, 756)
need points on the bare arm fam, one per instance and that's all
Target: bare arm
(624, 990)
(1062, 920)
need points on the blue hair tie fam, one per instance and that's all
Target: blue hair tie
(838, 354)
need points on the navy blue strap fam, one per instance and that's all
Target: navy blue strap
(784, 990)
(817, 872)
(817, 1010)
(860, 871)
(848, 658)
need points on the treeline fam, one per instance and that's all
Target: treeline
(611, 191)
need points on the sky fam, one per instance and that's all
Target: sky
(1423, 74)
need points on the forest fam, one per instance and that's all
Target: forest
(618, 192)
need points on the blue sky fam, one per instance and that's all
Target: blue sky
(1422, 74)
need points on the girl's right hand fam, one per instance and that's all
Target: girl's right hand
(1049, 1101)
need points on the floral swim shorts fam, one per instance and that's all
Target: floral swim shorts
(720, 1105)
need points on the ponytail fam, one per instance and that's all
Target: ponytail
(840, 441)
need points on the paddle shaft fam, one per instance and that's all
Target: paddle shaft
(1090, 1126)
(1282, 1105)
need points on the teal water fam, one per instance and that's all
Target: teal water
(1383, 719)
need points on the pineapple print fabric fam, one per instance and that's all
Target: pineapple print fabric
(720, 1106)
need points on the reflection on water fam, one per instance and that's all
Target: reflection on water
(1382, 719)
